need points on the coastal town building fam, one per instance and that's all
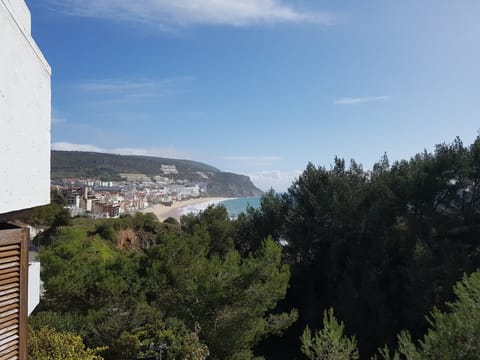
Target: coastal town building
(100, 199)
(169, 169)
(24, 169)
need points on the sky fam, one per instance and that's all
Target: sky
(261, 87)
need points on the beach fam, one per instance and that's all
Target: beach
(180, 208)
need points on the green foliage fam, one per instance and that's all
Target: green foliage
(106, 231)
(171, 220)
(214, 223)
(382, 247)
(252, 227)
(63, 322)
(51, 215)
(147, 222)
(228, 297)
(48, 344)
(175, 340)
(330, 343)
(209, 293)
(82, 273)
(452, 335)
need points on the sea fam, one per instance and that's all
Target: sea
(234, 206)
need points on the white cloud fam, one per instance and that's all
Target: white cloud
(279, 180)
(110, 85)
(253, 161)
(135, 89)
(65, 146)
(168, 13)
(58, 117)
(252, 158)
(121, 85)
(58, 120)
(168, 152)
(361, 100)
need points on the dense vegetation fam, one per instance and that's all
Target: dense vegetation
(187, 289)
(380, 249)
(110, 166)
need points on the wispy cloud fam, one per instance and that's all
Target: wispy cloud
(58, 120)
(361, 100)
(65, 146)
(168, 152)
(253, 161)
(168, 13)
(252, 158)
(279, 180)
(110, 85)
(58, 117)
(133, 88)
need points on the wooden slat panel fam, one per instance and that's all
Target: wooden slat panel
(6, 280)
(11, 247)
(12, 336)
(7, 309)
(13, 355)
(6, 266)
(13, 273)
(8, 336)
(13, 301)
(8, 297)
(10, 352)
(5, 321)
(13, 291)
(8, 347)
(12, 280)
(14, 310)
(8, 328)
(12, 252)
(9, 259)
(7, 270)
(9, 287)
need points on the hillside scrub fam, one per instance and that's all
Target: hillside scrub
(182, 290)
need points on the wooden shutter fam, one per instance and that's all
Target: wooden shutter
(13, 292)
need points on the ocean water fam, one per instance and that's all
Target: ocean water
(239, 205)
(234, 206)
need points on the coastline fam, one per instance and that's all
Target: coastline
(175, 211)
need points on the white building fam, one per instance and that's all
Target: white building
(24, 113)
(24, 168)
(169, 169)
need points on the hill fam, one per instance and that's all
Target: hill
(110, 166)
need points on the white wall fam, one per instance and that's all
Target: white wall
(33, 285)
(24, 113)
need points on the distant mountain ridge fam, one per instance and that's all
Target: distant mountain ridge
(109, 167)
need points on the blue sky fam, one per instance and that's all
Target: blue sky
(261, 87)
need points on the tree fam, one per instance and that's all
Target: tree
(329, 343)
(48, 344)
(172, 338)
(228, 297)
(255, 225)
(215, 223)
(453, 335)
(188, 290)
(52, 215)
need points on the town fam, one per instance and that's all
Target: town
(109, 199)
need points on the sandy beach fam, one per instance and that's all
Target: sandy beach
(175, 211)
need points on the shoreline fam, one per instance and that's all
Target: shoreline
(175, 211)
